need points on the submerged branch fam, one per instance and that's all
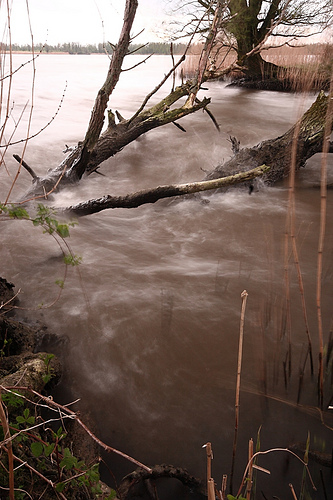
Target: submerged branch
(152, 195)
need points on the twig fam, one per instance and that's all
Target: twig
(45, 195)
(72, 414)
(173, 63)
(137, 64)
(292, 491)
(271, 450)
(249, 476)
(293, 237)
(148, 96)
(224, 487)
(41, 129)
(35, 471)
(10, 300)
(26, 166)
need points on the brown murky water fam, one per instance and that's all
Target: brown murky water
(149, 324)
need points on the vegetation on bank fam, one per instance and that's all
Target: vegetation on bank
(157, 48)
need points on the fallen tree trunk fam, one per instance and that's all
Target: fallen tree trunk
(306, 136)
(269, 161)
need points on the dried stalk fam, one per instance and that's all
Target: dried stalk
(223, 487)
(323, 210)
(293, 239)
(271, 450)
(211, 489)
(292, 491)
(9, 450)
(244, 296)
(249, 477)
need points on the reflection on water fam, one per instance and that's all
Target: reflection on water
(152, 316)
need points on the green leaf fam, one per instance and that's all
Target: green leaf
(72, 260)
(48, 449)
(20, 420)
(60, 487)
(60, 283)
(68, 460)
(18, 213)
(37, 449)
(46, 378)
(12, 399)
(63, 230)
(112, 495)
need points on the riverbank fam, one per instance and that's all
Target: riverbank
(59, 456)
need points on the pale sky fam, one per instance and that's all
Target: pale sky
(83, 21)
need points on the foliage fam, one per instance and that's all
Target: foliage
(49, 371)
(45, 450)
(45, 218)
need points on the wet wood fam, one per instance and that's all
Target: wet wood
(307, 136)
(152, 195)
(127, 487)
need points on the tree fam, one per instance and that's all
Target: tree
(99, 145)
(246, 25)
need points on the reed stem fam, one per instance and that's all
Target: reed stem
(323, 211)
(244, 296)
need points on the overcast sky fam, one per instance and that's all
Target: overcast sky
(83, 21)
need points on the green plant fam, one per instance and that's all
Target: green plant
(12, 399)
(49, 370)
(46, 218)
(45, 454)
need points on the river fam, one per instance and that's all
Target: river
(148, 324)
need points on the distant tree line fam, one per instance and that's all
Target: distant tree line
(100, 48)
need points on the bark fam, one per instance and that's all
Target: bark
(152, 195)
(98, 113)
(128, 488)
(307, 135)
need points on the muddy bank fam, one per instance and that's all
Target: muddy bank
(50, 454)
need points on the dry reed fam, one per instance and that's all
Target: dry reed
(322, 230)
(244, 296)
